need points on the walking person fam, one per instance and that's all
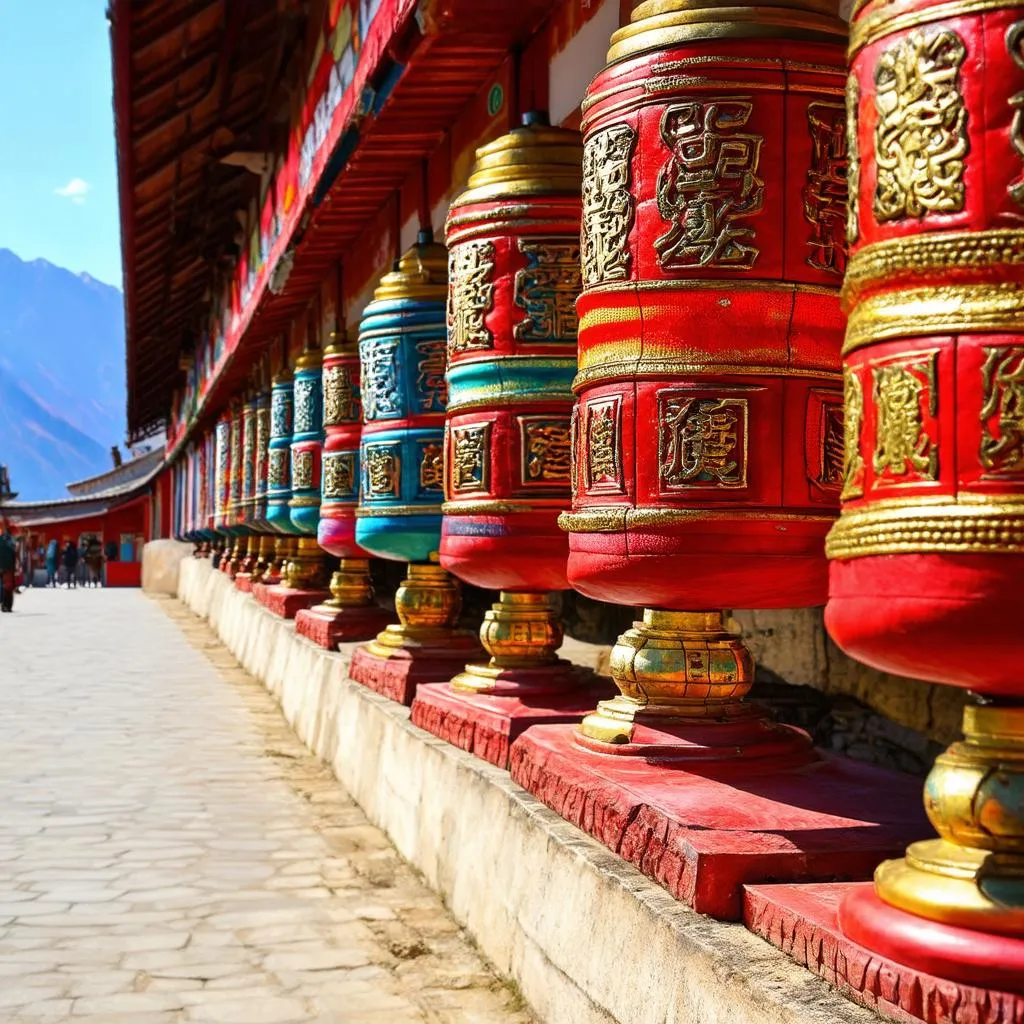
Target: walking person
(71, 564)
(83, 572)
(94, 561)
(51, 563)
(8, 563)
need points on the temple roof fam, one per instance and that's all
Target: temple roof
(194, 83)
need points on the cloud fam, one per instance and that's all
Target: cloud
(75, 190)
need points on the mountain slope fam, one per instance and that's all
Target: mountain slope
(62, 391)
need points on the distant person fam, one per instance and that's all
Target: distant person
(71, 564)
(8, 563)
(94, 561)
(26, 565)
(109, 555)
(51, 563)
(83, 572)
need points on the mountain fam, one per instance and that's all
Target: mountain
(62, 388)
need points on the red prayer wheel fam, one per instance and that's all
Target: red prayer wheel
(708, 430)
(926, 567)
(514, 276)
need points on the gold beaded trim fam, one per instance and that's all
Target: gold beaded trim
(947, 250)
(615, 519)
(942, 309)
(905, 529)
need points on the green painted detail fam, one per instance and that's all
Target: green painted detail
(495, 99)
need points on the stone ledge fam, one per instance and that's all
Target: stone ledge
(586, 937)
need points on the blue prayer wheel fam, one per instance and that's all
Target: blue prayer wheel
(279, 455)
(402, 342)
(307, 443)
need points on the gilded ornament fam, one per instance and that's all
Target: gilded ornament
(470, 296)
(278, 470)
(608, 204)
(280, 414)
(340, 402)
(432, 467)
(383, 470)
(902, 391)
(382, 397)
(825, 205)
(1015, 46)
(831, 461)
(853, 420)
(470, 457)
(339, 475)
(546, 290)
(546, 450)
(431, 385)
(921, 134)
(1002, 412)
(302, 470)
(702, 442)
(709, 186)
(852, 159)
(892, 528)
(603, 451)
(305, 405)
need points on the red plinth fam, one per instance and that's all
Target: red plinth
(397, 676)
(804, 922)
(703, 837)
(286, 602)
(243, 582)
(487, 724)
(327, 626)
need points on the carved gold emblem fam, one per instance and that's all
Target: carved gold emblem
(903, 447)
(574, 448)
(382, 397)
(339, 475)
(603, 461)
(302, 470)
(608, 204)
(547, 454)
(432, 467)
(1002, 411)
(305, 405)
(852, 159)
(1015, 46)
(709, 186)
(431, 386)
(546, 289)
(830, 462)
(383, 470)
(853, 419)
(470, 457)
(340, 403)
(825, 191)
(702, 442)
(921, 134)
(470, 296)
(278, 469)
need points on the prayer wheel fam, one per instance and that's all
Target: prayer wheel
(305, 568)
(235, 520)
(279, 471)
(926, 556)
(402, 340)
(265, 553)
(351, 613)
(222, 488)
(514, 276)
(707, 435)
(246, 506)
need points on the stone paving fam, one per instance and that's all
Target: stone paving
(170, 852)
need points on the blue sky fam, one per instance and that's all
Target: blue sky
(58, 176)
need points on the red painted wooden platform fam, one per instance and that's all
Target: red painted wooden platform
(398, 676)
(803, 921)
(327, 627)
(487, 724)
(703, 837)
(243, 582)
(286, 602)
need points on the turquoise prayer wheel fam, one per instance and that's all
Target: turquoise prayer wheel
(279, 455)
(307, 443)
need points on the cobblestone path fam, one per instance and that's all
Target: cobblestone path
(170, 852)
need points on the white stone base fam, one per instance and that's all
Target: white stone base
(160, 565)
(585, 936)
